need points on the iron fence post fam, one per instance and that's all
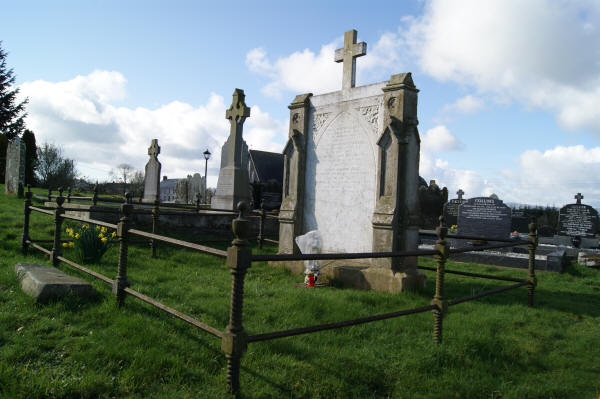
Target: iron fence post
(235, 340)
(95, 196)
(155, 216)
(27, 212)
(438, 299)
(121, 281)
(531, 278)
(197, 202)
(58, 219)
(49, 194)
(68, 195)
(261, 224)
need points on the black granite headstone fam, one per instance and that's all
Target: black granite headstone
(578, 220)
(484, 217)
(451, 211)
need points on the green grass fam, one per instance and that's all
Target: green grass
(495, 347)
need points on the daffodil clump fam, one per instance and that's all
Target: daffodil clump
(453, 229)
(89, 244)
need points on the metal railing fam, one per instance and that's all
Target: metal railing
(239, 258)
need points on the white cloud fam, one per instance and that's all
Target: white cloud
(305, 71)
(439, 139)
(79, 115)
(465, 105)
(551, 177)
(541, 53)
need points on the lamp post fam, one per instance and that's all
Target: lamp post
(206, 157)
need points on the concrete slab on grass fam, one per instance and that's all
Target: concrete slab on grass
(46, 282)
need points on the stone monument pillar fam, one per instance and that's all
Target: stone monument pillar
(152, 176)
(290, 212)
(14, 173)
(396, 215)
(233, 185)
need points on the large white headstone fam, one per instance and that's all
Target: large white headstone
(341, 167)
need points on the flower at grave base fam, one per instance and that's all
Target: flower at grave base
(97, 228)
(76, 236)
(100, 235)
(64, 244)
(71, 244)
(103, 230)
(104, 239)
(85, 226)
(114, 234)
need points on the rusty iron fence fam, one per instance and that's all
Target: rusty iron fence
(155, 209)
(239, 258)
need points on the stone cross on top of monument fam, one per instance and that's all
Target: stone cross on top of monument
(154, 148)
(578, 197)
(460, 193)
(238, 111)
(348, 55)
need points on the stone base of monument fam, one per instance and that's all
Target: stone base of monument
(378, 279)
(45, 282)
(359, 275)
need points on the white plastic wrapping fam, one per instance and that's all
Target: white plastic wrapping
(310, 243)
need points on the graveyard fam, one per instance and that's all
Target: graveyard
(364, 282)
(89, 348)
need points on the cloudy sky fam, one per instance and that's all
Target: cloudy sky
(509, 101)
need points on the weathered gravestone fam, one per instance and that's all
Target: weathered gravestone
(578, 220)
(44, 283)
(14, 177)
(484, 217)
(351, 172)
(233, 184)
(451, 209)
(152, 176)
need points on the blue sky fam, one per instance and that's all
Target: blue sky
(509, 101)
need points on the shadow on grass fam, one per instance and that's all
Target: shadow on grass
(563, 301)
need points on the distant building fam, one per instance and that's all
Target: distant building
(265, 170)
(167, 189)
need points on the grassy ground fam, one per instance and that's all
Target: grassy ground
(495, 347)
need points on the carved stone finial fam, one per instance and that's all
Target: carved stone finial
(578, 197)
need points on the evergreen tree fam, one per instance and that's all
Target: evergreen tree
(3, 147)
(12, 114)
(31, 160)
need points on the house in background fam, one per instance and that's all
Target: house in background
(265, 170)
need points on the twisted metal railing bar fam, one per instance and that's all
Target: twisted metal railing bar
(239, 258)
(337, 324)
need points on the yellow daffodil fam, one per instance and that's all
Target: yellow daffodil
(103, 230)
(104, 239)
(100, 235)
(76, 236)
(64, 244)
(71, 244)
(85, 226)
(97, 228)
(114, 234)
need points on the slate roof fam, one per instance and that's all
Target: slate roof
(268, 165)
(169, 183)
